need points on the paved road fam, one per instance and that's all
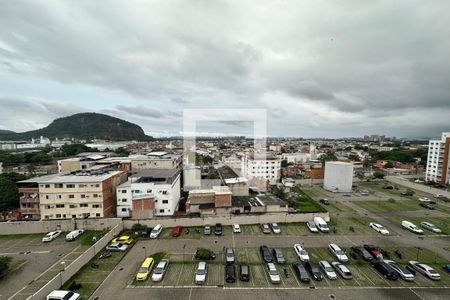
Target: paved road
(417, 186)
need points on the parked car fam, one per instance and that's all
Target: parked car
(321, 224)
(411, 227)
(236, 228)
(276, 228)
(229, 255)
(204, 254)
(407, 194)
(363, 253)
(446, 267)
(302, 253)
(265, 228)
(374, 251)
(327, 269)
(207, 230)
(338, 252)
(73, 235)
(218, 229)
(201, 272)
(63, 295)
(145, 269)
(425, 270)
(265, 254)
(385, 269)
(429, 226)
(244, 272)
(388, 187)
(380, 228)
(301, 272)
(278, 254)
(324, 201)
(124, 239)
(364, 193)
(313, 270)
(426, 205)
(51, 236)
(419, 181)
(401, 270)
(160, 270)
(230, 273)
(156, 231)
(311, 226)
(342, 270)
(272, 271)
(176, 231)
(424, 200)
(146, 231)
(117, 247)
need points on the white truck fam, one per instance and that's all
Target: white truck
(321, 224)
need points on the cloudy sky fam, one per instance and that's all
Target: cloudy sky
(319, 68)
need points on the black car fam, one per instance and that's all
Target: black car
(244, 272)
(388, 187)
(426, 205)
(218, 229)
(265, 254)
(385, 269)
(300, 270)
(408, 194)
(324, 201)
(363, 253)
(204, 254)
(313, 270)
(230, 273)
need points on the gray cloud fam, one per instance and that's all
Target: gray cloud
(350, 66)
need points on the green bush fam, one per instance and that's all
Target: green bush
(138, 227)
(4, 263)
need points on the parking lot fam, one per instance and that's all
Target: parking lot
(39, 262)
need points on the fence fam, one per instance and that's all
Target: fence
(29, 227)
(229, 220)
(57, 281)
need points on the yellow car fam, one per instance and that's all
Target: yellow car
(124, 239)
(145, 269)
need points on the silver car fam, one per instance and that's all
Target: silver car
(272, 271)
(425, 270)
(431, 227)
(342, 270)
(403, 272)
(200, 273)
(229, 255)
(328, 270)
(160, 270)
(117, 247)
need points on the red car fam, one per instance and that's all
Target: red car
(176, 231)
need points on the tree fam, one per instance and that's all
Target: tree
(378, 175)
(4, 263)
(284, 163)
(9, 195)
(389, 165)
(122, 151)
(353, 157)
(280, 193)
(328, 157)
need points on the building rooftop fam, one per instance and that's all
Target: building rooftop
(81, 177)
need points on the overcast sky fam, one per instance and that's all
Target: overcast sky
(319, 68)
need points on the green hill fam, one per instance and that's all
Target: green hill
(83, 126)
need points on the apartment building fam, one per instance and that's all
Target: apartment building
(83, 194)
(214, 201)
(155, 160)
(268, 168)
(161, 185)
(438, 161)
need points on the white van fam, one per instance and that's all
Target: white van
(411, 227)
(156, 231)
(74, 234)
(321, 224)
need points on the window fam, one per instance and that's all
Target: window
(165, 201)
(95, 195)
(83, 205)
(96, 205)
(124, 200)
(47, 206)
(83, 196)
(71, 196)
(70, 186)
(149, 191)
(82, 185)
(58, 197)
(58, 185)
(58, 216)
(164, 192)
(47, 186)
(124, 209)
(124, 191)
(97, 215)
(161, 210)
(72, 206)
(74, 216)
(47, 197)
(59, 205)
(97, 185)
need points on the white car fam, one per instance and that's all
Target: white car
(274, 276)
(328, 269)
(63, 295)
(302, 254)
(424, 200)
(117, 247)
(338, 252)
(403, 272)
(411, 227)
(51, 236)
(312, 226)
(160, 270)
(200, 273)
(429, 226)
(236, 228)
(74, 234)
(380, 228)
(276, 228)
(419, 181)
(156, 231)
(425, 270)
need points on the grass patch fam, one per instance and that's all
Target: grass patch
(360, 226)
(441, 223)
(389, 205)
(86, 239)
(304, 203)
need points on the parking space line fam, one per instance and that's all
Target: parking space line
(366, 276)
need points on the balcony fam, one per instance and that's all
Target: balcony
(29, 200)
(28, 210)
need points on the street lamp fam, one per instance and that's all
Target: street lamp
(145, 252)
(184, 247)
(63, 268)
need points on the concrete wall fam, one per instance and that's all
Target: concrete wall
(228, 220)
(27, 227)
(70, 270)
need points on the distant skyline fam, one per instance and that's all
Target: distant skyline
(320, 68)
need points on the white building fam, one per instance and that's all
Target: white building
(268, 168)
(155, 160)
(294, 158)
(338, 176)
(438, 161)
(162, 185)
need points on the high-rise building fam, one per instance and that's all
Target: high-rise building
(438, 161)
